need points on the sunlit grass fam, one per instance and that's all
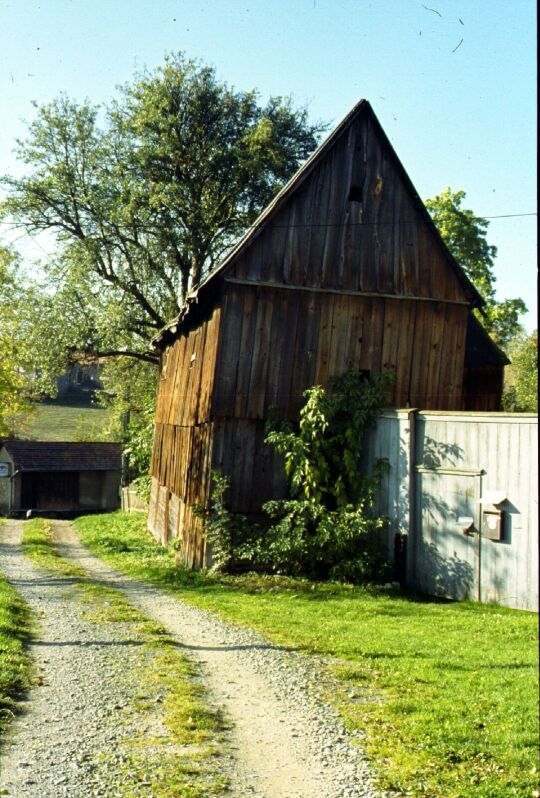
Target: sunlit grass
(37, 545)
(16, 670)
(55, 422)
(458, 681)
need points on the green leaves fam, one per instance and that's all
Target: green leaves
(145, 195)
(465, 236)
(326, 528)
(322, 460)
(521, 378)
(14, 382)
(142, 198)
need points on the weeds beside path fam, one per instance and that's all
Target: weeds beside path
(15, 663)
(459, 680)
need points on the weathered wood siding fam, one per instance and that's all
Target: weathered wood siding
(182, 452)
(379, 242)
(482, 388)
(275, 343)
(187, 373)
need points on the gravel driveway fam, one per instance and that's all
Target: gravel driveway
(285, 741)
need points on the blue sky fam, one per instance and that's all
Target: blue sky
(453, 82)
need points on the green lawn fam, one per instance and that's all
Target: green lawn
(55, 422)
(447, 692)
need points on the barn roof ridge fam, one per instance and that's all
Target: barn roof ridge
(289, 188)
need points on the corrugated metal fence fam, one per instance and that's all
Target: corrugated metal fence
(441, 465)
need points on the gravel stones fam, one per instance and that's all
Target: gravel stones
(285, 741)
(54, 748)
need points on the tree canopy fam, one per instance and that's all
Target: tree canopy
(465, 236)
(14, 381)
(145, 195)
(521, 378)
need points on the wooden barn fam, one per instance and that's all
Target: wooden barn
(343, 270)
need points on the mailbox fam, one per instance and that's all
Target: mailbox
(492, 515)
(493, 525)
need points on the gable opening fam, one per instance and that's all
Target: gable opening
(355, 194)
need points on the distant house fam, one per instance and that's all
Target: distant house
(59, 477)
(83, 378)
(343, 270)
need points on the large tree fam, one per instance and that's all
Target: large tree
(521, 377)
(14, 380)
(144, 197)
(465, 235)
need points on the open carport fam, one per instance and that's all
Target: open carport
(59, 477)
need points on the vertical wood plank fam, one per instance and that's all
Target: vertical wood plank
(260, 355)
(324, 339)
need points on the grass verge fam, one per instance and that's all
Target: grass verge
(179, 761)
(16, 671)
(458, 681)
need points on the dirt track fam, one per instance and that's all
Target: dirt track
(285, 741)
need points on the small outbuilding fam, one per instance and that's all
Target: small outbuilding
(59, 477)
(343, 270)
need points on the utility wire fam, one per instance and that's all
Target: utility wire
(340, 224)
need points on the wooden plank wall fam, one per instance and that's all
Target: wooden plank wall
(379, 242)
(181, 458)
(187, 376)
(482, 388)
(335, 281)
(302, 338)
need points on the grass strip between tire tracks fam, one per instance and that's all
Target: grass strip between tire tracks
(447, 692)
(181, 763)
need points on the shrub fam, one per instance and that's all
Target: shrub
(326, 528)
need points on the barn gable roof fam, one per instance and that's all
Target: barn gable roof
(60, 456)
(199, 293)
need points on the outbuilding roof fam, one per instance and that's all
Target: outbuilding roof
(60, 456)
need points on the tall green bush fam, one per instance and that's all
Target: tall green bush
(326, 528)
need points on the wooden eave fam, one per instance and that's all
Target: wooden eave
(215, 278)
(480, 348)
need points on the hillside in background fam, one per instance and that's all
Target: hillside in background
(74, 417)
